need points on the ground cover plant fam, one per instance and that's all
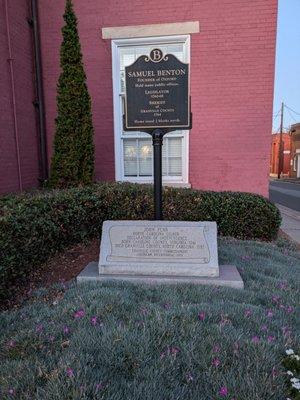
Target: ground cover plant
(35, 226)
(119, 341)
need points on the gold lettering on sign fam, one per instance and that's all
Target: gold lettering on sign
(156, 55)
(160, 72)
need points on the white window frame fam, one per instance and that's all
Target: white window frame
(295, 162)
(119, 164)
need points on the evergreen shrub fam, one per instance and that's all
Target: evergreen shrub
(35, 226)
(73, 156)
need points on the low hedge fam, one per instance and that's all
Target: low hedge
(34, 226)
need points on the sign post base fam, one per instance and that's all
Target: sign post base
(157, 140)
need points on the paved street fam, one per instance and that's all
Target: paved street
(290, 222)
(285, 193)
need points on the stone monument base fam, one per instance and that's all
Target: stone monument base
(228, 276)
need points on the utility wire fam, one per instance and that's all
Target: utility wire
(291, 115)
(295, 112)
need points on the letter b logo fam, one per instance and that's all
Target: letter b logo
(156, 55)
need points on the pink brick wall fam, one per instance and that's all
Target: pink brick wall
(232, 74)
(21, 44)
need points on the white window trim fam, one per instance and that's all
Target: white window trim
(119, 173)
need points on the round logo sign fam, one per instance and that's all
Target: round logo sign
(156, 55)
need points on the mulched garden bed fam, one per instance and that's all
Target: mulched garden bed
(61, 268)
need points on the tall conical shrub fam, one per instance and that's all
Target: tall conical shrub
(73, 157)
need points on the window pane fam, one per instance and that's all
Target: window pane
(140, 51)
(164, 166)
(165, 157)
(127, 58)
(130, 157)
(145, 157)
(138, 157)
(175, 166)
(172, 156)
(174, 145)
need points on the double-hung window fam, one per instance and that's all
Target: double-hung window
(133, 150)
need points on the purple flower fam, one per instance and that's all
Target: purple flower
(271, 338)
(167, 306)
(286, 331)
(247, 313)
(11, 391)
(224, 320)
(144, 311)
(170, 350)
(189, 377)
(39, 328)
(246, 258)
(289, 310)
(51, 338)
(63, 284)
(275, 299)
(264, 328)
(236, 348)
(70, 372)
(255, 339)
(174, 350)
(270, 313)
(121, 324)
(11, 343)
(94, 321)
(282, 285)
(216, 362)
(223, 391)
(79, 314)
(99, 386)
(201, 316)
(66, 330)
(216, 348)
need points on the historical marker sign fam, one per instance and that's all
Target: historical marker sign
(157, 93)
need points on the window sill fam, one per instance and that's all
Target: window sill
(177, 185)
(167, 184)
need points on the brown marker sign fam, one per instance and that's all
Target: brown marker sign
(157, 93)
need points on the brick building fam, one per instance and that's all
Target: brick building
(230, 46)
(19, 163)
(295, 151)
(286, 153)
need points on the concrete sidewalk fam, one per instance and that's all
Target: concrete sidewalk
(290, 222)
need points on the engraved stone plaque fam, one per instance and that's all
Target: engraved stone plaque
(159, 248)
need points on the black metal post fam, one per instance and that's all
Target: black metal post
(157, 138)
